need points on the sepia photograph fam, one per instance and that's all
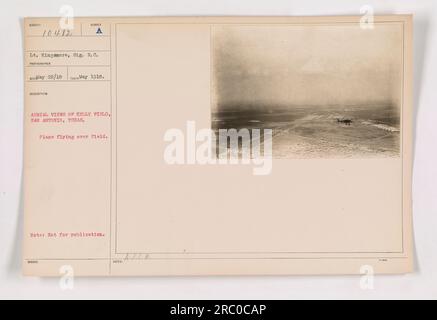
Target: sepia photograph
(326, 91)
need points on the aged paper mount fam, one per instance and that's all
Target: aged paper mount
(125, 172)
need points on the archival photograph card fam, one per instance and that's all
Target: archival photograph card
(158, 146)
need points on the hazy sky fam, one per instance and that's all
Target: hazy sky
(313, 65)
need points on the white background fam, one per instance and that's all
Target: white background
(421, 284)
